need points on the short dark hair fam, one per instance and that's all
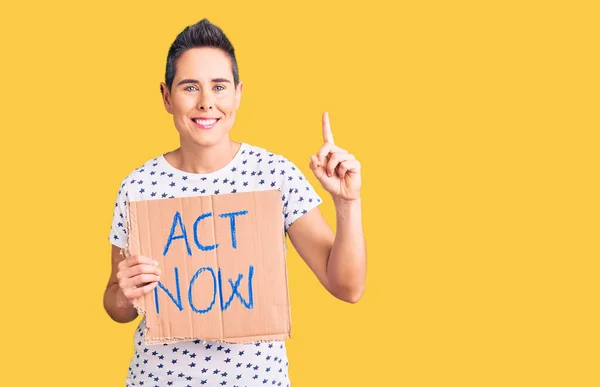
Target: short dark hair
(201, 34)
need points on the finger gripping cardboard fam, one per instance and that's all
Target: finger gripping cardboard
(223, 269)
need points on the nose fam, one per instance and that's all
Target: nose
(205, 102)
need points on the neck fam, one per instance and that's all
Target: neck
(194, 158)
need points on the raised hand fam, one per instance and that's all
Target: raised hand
(337, 170)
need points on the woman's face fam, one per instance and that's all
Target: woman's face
(203, 99)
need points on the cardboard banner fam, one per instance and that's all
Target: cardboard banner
(223, 270)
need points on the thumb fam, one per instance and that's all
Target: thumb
(314, 166)
(314, 162)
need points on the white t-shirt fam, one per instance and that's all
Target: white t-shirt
(196, 363)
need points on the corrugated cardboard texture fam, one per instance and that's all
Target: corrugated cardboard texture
(231, 250)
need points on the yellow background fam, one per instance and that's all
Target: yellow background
(477, 127)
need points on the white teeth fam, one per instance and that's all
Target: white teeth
(205, 122)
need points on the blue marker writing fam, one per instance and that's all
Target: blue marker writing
(176, 302)
(231, 216)
(177, 221)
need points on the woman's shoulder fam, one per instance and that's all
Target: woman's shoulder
(261, 154)
(137, 174)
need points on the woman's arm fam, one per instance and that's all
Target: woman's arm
(129, 278)
(338, 260)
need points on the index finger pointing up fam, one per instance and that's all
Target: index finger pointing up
(327, 135)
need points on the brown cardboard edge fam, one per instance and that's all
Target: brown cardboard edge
(138, 303)
(230, 340)
(285, 265)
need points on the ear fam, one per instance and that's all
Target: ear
(166, 96)
(238, 94)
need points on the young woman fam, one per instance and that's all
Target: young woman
(202, 92)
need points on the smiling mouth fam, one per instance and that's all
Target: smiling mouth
(205, 123)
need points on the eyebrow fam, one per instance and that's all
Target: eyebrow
(214, 80)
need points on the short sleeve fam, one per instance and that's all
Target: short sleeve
(118, 230)
(297, 194)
